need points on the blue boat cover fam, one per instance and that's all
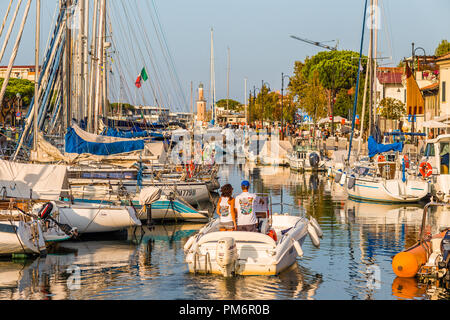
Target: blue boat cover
(76, 144)
(135, 132)
(376, 148)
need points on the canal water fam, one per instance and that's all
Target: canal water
(353, 261)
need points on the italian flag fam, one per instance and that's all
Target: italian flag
(142, 77)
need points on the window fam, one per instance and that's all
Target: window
(443, 91)
(429, 151)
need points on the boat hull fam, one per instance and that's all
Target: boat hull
(21, 238)
(97, 218)
(380, 191)
(257, 253)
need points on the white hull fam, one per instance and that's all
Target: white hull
(93, 218)
(192, 193)
(21, 237)
(172, 210)
(258, 253)
(393, 191)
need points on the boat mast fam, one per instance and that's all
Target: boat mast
(11, 26)
(228, 79)
(375, 56)
(355, 102)
(14, 53)
(36, 74)
(6, 17)
(100, 46)
(213, 82)
(85, 39)
(91, 98)
(371, 71)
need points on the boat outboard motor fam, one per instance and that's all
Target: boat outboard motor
(45, 213)
(314, 159)
(226, 255)
(46, 210)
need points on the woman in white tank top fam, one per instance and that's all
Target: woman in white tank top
(226, 210)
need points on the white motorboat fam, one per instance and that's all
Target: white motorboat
(267, 252)
(306, 160)
(435, 166)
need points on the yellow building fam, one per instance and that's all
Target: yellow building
(444, 81)
(19, 72)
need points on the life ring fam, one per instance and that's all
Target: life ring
(425, 169)
(381, 158)
(406, 161)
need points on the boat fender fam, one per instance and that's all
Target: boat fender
(343, 179)
(316, 226)
(351, 182)
(298, 248)
(313, 236)
(272, 234)
(329, 172)
(189, 243)
(314, 160)
(337, 176)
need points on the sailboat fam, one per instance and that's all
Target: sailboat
(388, 179)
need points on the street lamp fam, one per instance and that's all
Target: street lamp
(262, 98)
(414, 76)
(282, 107)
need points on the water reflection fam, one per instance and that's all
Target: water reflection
(359, 237)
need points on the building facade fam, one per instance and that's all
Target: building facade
(19, 72)
(444, 82)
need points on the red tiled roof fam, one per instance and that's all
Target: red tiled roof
(444, 57)
(431, 86)
(389, 77)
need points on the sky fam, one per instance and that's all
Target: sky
(257, 32)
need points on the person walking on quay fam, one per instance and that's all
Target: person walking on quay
(226, 209)
(246, 217)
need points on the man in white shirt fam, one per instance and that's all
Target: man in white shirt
(245, 215)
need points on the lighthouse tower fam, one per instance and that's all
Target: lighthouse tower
(201, 104)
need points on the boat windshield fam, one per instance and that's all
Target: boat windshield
(429, 150)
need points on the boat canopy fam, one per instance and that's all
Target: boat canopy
(80, 142)
(376, 148)
(135, 132)
(32, 181)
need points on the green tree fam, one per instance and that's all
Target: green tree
(314, 101)
(392, 109)
(443, 48)
(337, 69)
(344, 103)
(232, 104)
(18, 86)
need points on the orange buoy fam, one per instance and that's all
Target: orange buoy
(407, 263)
(381, 158)
(425, 169)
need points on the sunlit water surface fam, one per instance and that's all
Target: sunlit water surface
(357, 248)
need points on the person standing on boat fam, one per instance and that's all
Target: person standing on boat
(246, 217)
(226, 210)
